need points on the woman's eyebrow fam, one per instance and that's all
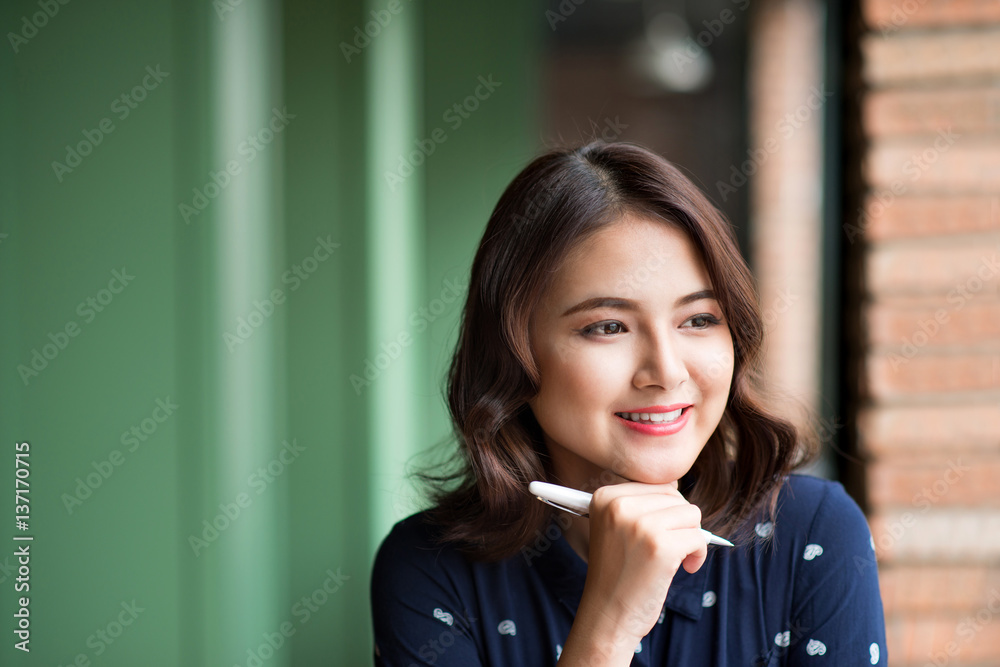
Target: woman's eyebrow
(630, 305)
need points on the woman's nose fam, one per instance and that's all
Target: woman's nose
(661, 363)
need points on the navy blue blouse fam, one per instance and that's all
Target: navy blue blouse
(807, 596)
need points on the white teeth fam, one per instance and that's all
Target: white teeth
(656, 418)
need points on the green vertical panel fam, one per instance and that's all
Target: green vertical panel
(251, 450)
(487, 142)
(158, 341)
(196, 374)
(11, 386)
(350, 121)
(394, 230)
(104, 515)
(327, 334)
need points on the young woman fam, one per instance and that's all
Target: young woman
(608, 344)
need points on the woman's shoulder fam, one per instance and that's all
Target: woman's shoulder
(422, 597)
(415, 536)
(411, 550)
(819, 508)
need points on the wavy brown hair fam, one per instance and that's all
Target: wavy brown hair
(482, 504)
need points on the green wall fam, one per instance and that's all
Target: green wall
(298, 233)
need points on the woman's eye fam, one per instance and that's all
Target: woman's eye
(704, 321)
(605, 328)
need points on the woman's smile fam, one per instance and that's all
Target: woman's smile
(656, 423)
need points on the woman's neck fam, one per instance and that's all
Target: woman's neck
(578, 535)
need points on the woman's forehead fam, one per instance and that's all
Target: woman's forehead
(631, 246)
(652, 270)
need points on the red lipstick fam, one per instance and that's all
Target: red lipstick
(657, 409)
(649, 428)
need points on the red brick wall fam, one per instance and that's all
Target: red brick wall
(929, 234)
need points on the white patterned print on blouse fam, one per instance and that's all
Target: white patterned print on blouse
(443, 615)
(873, 649)
(507, 628)
(812, 551)
(708, 599)
(782, 639)
(764, 529)
(815, 647)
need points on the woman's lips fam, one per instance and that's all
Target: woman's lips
(650, 428)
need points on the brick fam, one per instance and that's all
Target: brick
(947, 480)
(954, 641)
(886, 216)
(937, 534)
(888, 16)
(931, 322)
(928, 165)
(958, 272)
(922, 58)
(891, 376)
(926, 587)
(917, 111)
(955, 428)
(930, 222)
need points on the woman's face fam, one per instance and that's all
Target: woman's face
(629, 325)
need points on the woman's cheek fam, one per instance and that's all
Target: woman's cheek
(715, 366)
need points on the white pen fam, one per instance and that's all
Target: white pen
(578, 502)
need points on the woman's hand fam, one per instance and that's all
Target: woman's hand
(640, 534)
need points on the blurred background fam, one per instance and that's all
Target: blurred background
(235, 242)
